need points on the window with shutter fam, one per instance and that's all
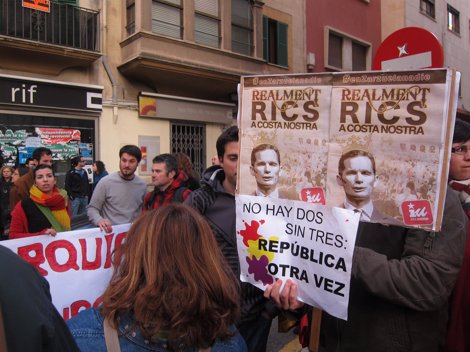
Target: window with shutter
(335, 50)
(207, 23)
(265, 38)
(281, 44)
(166, 18)
(427, 7)
(359, 57)
(242, 27)
(345, 52)
(130, 19)
(453, 19)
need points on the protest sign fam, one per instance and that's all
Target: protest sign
(291, 114)
(313, 244)
(403, 120)
(77, 264)
(377, 143)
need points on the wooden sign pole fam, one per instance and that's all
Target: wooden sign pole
(314, 341)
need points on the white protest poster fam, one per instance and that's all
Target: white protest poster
(389, 144)
(288, 115)
(77, 264)
(312, 244)
(296, 133)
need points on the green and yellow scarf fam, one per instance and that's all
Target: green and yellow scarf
(55, 203)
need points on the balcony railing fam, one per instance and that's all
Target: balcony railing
(65, 25)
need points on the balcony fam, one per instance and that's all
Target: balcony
(66, 36)
(175, 57)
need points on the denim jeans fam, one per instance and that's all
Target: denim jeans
(78, 205)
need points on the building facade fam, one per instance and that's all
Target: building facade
(449, 22)
(50, 93)
(342, 35)
(175, 66)
(161, 74)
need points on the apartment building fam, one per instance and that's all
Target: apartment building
(181, 61)
(50, 92)
(342, 35)
(449, 21)
(90, 76)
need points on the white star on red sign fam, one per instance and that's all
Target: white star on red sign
(402, 50)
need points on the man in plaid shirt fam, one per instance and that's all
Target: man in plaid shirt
(169, 182)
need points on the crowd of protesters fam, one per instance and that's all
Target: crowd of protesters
(409, 287)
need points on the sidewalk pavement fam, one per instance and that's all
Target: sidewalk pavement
(282, 342)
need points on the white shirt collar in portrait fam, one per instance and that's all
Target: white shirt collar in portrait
(273, 194)
(366, 210)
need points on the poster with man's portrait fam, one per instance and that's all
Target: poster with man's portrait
(390, 136)
(318, 153)
(376, 143)
(284, 136)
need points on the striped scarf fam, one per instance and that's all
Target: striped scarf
(463, 187)
(55, 202)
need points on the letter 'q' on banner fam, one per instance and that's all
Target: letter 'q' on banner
(77, 264)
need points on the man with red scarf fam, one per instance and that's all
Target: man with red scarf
(170, 183)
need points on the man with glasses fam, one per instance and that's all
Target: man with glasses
(401, 279)
(77, 186)
(458, 338)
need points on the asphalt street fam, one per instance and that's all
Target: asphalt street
(282, 342)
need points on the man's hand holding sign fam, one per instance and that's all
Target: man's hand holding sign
(285, 297)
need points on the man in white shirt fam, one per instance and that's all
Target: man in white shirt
(356, 174)
(265, 167)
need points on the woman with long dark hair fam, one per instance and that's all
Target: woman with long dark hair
(171, 290)
(185, 164)
(99, 171)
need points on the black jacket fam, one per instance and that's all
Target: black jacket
(218, 207)
(31, 321)
(400, 285)
(76, 185)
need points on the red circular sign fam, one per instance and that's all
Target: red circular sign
(409, 48)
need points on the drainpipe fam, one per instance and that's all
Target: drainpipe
(104, 61)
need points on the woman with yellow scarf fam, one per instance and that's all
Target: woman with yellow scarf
(45, 212)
